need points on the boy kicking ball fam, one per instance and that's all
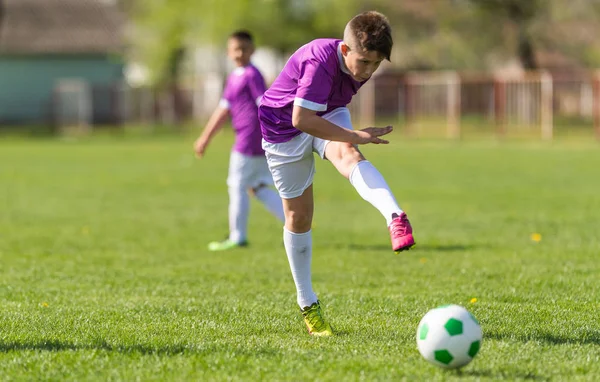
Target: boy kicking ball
(304, 111)
(248, 171)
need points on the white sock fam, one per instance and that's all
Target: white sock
(370, 184)
(239, 208)
(270, 198)
(298, 247)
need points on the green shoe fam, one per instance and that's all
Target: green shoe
(225, 245)
(315, 322)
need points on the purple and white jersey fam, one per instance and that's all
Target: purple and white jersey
(245, 86)
(316, 78)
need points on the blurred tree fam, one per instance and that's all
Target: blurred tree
(429, 34)
(570, 28)
(158, 37)
(125, 5)
(559, 27)
(478, 34)
(166, 27)
(436, 34)
(521, 14)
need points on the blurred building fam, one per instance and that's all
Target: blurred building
(58, 57)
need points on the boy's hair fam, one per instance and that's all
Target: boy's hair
(370, 31)
(242, 34)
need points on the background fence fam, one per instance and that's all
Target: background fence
(456, 104)
(451, 104)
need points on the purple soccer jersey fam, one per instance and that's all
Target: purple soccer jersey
(245, 86)
(316, 78)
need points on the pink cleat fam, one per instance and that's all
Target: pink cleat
(401, 233)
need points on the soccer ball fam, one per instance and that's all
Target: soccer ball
(449, 336)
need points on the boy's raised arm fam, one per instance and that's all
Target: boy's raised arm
(308, 121)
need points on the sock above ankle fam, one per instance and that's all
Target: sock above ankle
(239, 209)
(372, 187)
(298, 247)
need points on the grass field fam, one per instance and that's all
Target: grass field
(104, 273)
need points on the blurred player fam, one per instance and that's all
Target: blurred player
(248, 171)
(304, 111)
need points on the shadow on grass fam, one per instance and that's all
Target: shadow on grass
(587, 338)
(447, 247)
(494, 375)
(57, 346)
(168, 350)
(418, 247)
(340, 333)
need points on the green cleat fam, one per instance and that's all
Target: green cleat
(225, 245)
(315, 322)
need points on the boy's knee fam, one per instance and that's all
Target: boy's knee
(350, 156)
(298, 221)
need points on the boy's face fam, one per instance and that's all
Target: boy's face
(361, 64)
(239, 51)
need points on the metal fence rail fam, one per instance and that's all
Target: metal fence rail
(528, 103)
(452, 104)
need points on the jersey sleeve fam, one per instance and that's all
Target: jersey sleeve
(257, 86)
(225, 101)
(314, 86)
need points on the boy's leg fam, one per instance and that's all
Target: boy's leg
(367, 180)
(270, 199)
(292, 167)
(239, 203)
(372, 187)
(297, 239)
(239, 209)
(240, 168)
(262, 190)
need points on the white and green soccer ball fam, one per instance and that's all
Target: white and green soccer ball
(449, 336)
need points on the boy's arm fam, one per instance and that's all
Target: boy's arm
(213, 125)
(308, 121)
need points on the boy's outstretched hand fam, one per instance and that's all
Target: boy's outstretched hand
(372, 134)
(200, 146)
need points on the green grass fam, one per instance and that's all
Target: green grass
(104, 273)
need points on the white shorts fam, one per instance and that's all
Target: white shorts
(292, 163)
(248, 171)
